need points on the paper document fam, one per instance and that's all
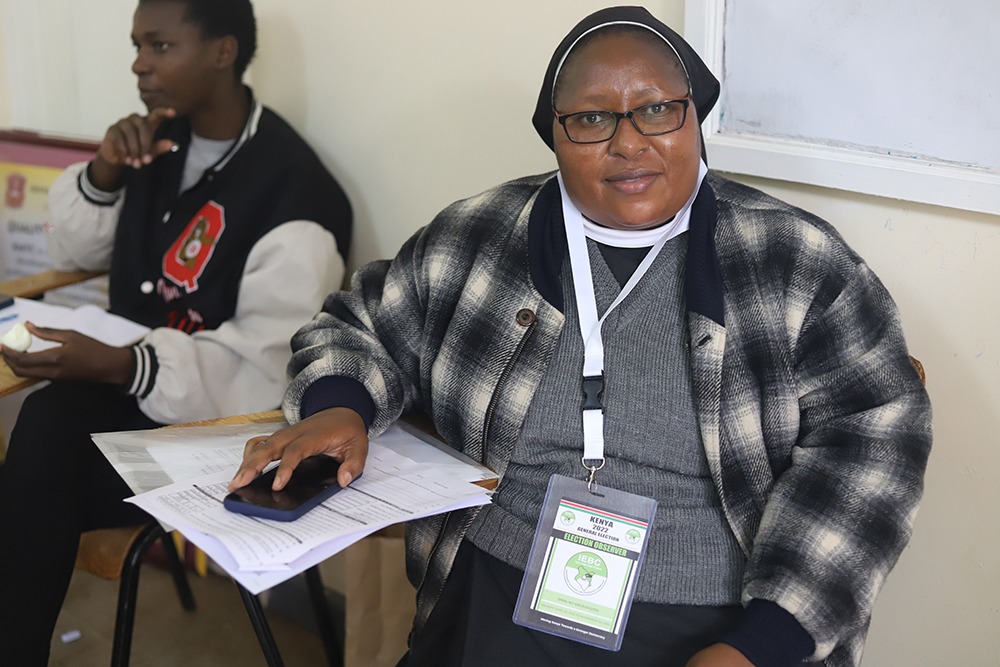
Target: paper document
(89, 320)
(259, 581)
(148, 460)
(413, 443)
(181, 476)
(392, 489)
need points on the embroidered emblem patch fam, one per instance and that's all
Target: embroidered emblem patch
(186, 259)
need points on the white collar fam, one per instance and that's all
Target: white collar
(637, 238)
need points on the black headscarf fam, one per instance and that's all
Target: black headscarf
(704, 86)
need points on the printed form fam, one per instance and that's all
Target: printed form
(392, 489)
(181, 477)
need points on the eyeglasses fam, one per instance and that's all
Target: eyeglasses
(593, 127)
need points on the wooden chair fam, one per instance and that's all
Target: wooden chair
(116, 553)
(920, 369)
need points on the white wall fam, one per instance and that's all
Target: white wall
(416, 104)
(5, 116)
(68, 64)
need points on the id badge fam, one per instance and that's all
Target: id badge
(584, 562)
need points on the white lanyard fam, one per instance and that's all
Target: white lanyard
(586, 305)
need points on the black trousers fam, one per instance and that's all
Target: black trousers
(471, 626)
(54, 485)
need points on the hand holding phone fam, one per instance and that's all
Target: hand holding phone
(313, 481)
(336, 432)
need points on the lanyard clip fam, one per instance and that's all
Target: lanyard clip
(593, 392)
(593, 472)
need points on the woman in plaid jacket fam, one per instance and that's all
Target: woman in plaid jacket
(812, 425)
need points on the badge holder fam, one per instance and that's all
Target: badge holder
(584, 562)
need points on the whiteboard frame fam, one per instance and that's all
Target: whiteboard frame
(910, 179)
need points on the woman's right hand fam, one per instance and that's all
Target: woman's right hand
(336, 432)
(129, 143)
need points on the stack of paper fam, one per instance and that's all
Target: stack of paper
(181, 476)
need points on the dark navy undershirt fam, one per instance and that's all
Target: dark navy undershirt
(622, 261)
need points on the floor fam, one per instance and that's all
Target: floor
(217, 634)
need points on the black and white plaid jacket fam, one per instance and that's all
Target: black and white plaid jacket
(815, 424)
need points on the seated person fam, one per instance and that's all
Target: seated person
(223, 232)
(756, 382)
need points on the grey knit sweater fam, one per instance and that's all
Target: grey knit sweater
(652, 445)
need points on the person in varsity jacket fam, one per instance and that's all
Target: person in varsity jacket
(223, 232)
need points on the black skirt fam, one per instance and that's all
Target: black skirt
(471, 626)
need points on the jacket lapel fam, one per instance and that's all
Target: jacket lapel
(707, 345)
(707, 342)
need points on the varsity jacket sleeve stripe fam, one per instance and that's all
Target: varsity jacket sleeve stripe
(81, 229)
(144, 368)
(92, 193)
(240, 366)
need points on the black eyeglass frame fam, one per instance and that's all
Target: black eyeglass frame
(562, 118)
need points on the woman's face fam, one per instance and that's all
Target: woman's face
(631, 181)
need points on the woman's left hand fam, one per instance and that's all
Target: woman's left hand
(79, 357)
(719, 655)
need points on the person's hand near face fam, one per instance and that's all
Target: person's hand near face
(179, 73)
(129, 143)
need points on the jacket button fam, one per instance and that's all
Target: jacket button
(146, 287)
(525, 317)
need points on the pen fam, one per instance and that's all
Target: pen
(8, 317)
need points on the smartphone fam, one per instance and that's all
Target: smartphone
(6, 300)
(313, 481)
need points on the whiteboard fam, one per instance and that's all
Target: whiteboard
(899, 98)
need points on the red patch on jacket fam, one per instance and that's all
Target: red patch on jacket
(185, 260)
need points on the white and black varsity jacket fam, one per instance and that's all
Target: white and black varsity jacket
(224, 272)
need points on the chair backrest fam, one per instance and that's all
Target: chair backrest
(103, 552)
(920, 369)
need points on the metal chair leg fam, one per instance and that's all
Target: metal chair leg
(177, 570)
(261, 627)
(324, 619)
(127, 590)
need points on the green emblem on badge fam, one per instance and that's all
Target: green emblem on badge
(585, 573)
(567, 517)
(633, 536)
